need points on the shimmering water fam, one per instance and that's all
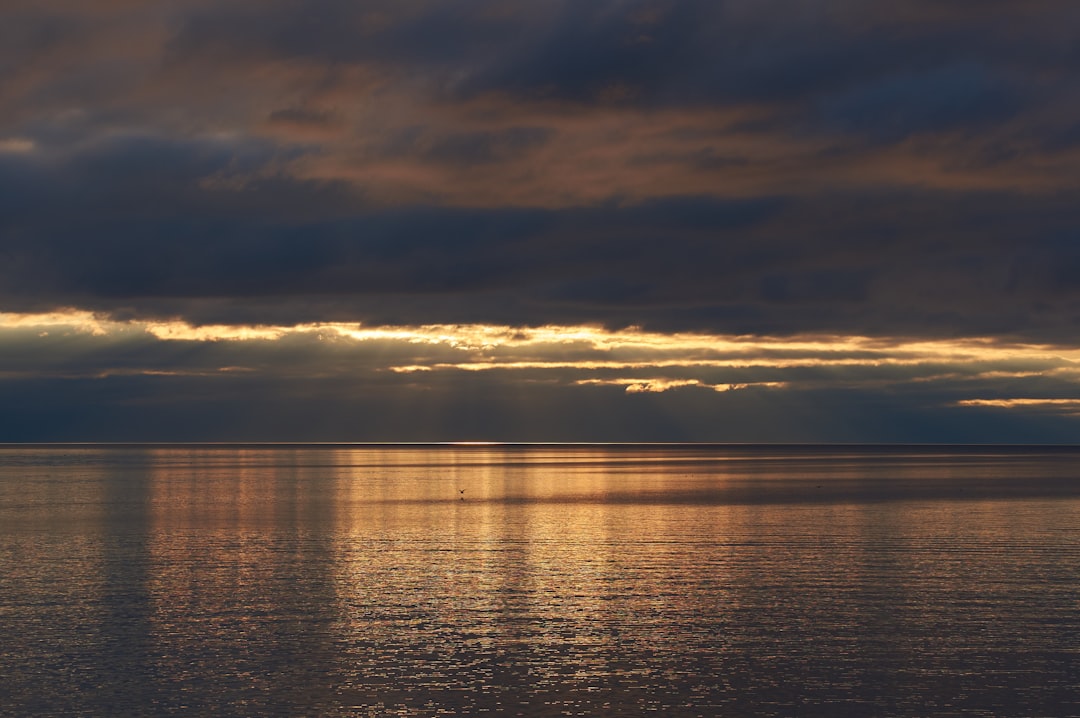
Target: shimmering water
(677, 581)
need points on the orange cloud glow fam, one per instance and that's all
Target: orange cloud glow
(636, 360)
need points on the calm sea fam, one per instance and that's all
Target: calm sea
(539, 581)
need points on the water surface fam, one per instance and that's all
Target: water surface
(678, 581)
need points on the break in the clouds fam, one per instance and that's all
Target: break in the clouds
(895, 185)
(81, 376)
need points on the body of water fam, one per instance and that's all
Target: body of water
(539, 581)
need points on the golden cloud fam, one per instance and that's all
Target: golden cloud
(637, 360)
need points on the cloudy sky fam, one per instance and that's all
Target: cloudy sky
(540, 220)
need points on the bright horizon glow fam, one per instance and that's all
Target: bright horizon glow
(486, 336)
(589, 356)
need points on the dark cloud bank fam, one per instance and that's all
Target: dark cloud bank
(895, 170)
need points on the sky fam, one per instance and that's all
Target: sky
(541, 220)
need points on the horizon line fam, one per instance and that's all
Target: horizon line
(480, 444)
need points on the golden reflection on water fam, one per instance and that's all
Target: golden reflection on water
(707, 581)
(526, 580)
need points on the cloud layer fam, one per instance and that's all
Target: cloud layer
(85, 377)
(724, 168)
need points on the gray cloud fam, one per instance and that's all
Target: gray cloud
(728, 166)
